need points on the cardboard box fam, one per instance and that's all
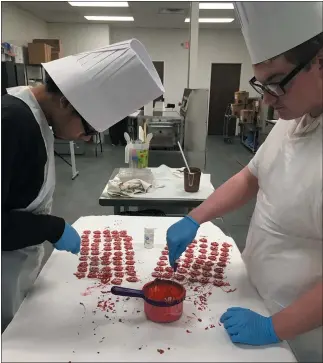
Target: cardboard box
(39, 53)
(55, 55)
(241, 97)
(236, 108)
(54, 43)
(247, 116)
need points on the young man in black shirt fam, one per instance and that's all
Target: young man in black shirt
(97, 86)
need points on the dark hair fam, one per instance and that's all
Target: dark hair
(302, 52)
(50, 85)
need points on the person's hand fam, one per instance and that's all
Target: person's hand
(247, 327)
(179, 236)
(70, 240)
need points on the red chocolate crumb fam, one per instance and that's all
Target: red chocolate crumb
(159, 269)
(167, 275)
(132, 279)
(80, 275)
(209, 263)
(156, 274)
(179, 277)
(131, 273)
(116, 281)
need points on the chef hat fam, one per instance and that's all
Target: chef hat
(272, 28)
(107, 84)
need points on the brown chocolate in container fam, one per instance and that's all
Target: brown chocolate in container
(192, 180)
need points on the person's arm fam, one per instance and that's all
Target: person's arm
(231, 195)
(301, 316)
(21, 229)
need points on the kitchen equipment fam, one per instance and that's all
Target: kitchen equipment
(167, 129)
(192, 179)
(163, 299)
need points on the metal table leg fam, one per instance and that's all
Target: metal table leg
(75, 173)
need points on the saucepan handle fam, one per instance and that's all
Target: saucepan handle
(124, 291)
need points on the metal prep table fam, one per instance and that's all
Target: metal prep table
(61, 320)
(171, 196)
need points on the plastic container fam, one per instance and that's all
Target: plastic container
(192, 180)
(137, 154)
(149, 238)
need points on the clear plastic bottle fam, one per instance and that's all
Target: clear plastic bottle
(149, 237)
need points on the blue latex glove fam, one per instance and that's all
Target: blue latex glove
(179, 236)
(70, 240)
(247, 327)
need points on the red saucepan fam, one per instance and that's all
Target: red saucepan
(163, 299)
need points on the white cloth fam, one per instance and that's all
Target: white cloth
(126, 189)
(20, 268)
(271, 28)
(107, 84)
(283, 253)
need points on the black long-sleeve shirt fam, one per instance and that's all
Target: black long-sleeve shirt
(23, 159)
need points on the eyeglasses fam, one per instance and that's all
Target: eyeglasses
(277, 89)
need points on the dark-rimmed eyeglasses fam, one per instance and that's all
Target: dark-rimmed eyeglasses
(277, 89)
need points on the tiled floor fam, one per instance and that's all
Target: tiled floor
(79, 197)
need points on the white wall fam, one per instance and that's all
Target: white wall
(215, 46)
(162, 45)
(77, 38)
(20, 27)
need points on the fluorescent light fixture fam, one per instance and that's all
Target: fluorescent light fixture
(109, 18)
(216, 6)
(212, 20)
(100, 4)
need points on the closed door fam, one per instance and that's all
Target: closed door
(225, 80)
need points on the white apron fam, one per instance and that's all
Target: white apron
(20, 268)
(283, 253)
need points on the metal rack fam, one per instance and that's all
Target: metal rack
(251, 128)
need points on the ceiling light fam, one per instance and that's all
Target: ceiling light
(212, 20)
(110, 18)
(100, 4)
(217, 6)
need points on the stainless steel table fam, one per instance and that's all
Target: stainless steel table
(171, 205)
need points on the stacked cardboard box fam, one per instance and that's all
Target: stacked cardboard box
(56, 50)
(39, 53)
(245, 108)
